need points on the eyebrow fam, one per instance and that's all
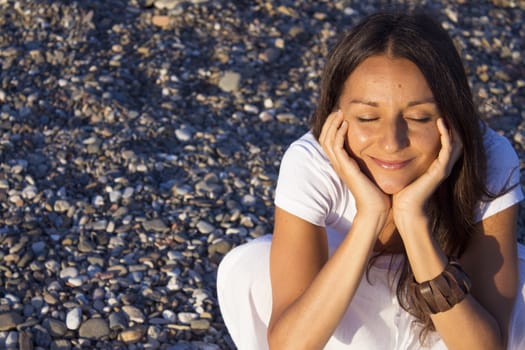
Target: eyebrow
(410, 104)
(422, 102)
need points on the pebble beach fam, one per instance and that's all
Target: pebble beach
(140, 141)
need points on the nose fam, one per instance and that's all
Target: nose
(394, 135)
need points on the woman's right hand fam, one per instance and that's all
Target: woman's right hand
(369, 198)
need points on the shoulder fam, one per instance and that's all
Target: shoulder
(307, 185)
(502, 161)
(498, 149)
(307, 147)
(306, 160)
(502, 177)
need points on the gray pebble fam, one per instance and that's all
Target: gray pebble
(134, 313)
(230, 81)
(56, 328)
(205, 227)
(9, 320)
(94, 328)
(156, 225)
(61, 344)
(38, 247)
(117, 321)
(68, 272)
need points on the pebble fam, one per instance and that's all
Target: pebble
(187, 317)
(169, 316)
(56, 328)
(11, 341)
(38, 247)
(230, 81)
(205, 227)
(9, 320)
(61, 206)
(221, 247)
(29, 192)
(140, 143)
(200, 324)
(166, 4)
(94, 328)
(184, 133)
(68, 272)
(61, 344)
(74, 318)
(132, 335)
(117, 321)
(25, 340)
(160, 21)
(156, 225)
(134, 313)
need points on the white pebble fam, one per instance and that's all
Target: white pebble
(187, 317)
(169, 315)
(68, 272)
(74, 318)
(11, 341)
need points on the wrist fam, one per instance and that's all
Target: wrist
(371, 220)
(443, 291)
(424, 254)
(411, 223)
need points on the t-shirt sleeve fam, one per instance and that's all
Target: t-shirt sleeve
(303, 186)
(503, 176)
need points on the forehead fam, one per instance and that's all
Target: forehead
(383, 77)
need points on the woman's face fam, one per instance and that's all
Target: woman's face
(392, 116)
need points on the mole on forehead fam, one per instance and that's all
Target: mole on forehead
(399, 85)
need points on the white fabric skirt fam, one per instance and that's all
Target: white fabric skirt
(245, 301)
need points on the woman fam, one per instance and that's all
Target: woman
(395, 215)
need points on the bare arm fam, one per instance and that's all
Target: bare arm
(302, 275)
(303, 280)
(481, 320)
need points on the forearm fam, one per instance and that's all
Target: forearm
(467, 325)
(322, 305)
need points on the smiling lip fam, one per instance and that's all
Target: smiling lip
(391, 165)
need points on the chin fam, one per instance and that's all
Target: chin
(391, 189)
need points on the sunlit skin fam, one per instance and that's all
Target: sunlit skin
(390, 146)
(392, 121)
(388, 143)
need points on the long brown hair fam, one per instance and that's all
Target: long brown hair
(418, 38)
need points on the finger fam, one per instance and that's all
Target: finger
(457, 146)
(339, 141)
(327, 125)
(451, 146)
(331, 126)
(335, 124)
(446, 142)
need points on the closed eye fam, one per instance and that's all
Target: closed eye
(424, 119)
(365, 119)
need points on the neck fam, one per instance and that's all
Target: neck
(389, 241)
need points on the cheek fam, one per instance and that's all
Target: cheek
(429, 142)
(357, 139)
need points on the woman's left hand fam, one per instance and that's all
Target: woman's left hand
(411, 200)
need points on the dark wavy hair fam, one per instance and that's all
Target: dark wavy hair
(420, 39)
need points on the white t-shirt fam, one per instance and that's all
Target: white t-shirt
(308, 186)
